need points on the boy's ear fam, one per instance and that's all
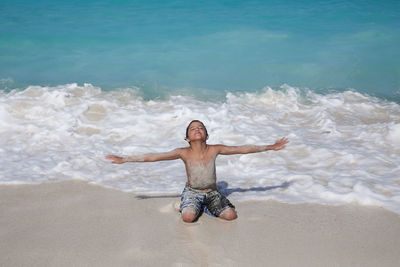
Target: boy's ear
(187, 140)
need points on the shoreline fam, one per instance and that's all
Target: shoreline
(73, 223)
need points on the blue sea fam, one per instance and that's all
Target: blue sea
(82, 79)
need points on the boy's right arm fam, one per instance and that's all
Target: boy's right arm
(151, 157)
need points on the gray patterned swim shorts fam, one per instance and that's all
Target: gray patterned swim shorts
(212, 201)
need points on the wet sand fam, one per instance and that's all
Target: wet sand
(78, 224)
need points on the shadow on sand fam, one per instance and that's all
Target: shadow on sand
(157, 196)
(223, 188)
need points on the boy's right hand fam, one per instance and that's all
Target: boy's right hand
(116, 159)
(280, 144)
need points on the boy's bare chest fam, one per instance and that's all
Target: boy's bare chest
(199, 158)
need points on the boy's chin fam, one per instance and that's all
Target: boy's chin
(197, 140)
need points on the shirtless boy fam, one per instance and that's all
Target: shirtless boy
(199, 159)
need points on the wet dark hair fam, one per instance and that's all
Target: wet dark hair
(187, 129)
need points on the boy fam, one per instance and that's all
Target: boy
(199, 159)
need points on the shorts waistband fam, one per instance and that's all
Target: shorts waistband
(204, 191)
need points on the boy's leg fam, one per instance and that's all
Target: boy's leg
(189, 214)
(190, 205)
(220, 206)
(228, 214)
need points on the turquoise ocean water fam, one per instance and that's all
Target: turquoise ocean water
(83, 79)
(190, 47)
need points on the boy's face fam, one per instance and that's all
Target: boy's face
(196, 132)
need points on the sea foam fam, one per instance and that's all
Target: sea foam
(344, 146)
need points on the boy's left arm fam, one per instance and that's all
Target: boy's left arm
(246, 149)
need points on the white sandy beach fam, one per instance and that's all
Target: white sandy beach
(77, 224)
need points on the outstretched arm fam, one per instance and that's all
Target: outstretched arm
(230, 150)
(171, 155)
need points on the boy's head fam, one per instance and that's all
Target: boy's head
(194, 125)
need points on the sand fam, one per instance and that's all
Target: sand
(78, 224)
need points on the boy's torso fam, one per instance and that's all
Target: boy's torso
(200, 168)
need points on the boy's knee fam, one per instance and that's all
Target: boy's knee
(189, 215)
(228, 214)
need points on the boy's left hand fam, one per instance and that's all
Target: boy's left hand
(115, 159)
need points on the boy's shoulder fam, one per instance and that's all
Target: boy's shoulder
(216, 146)
(182, 150)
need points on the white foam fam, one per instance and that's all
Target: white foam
(344, 147)
(393, 135)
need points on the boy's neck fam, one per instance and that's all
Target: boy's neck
(198, 145)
